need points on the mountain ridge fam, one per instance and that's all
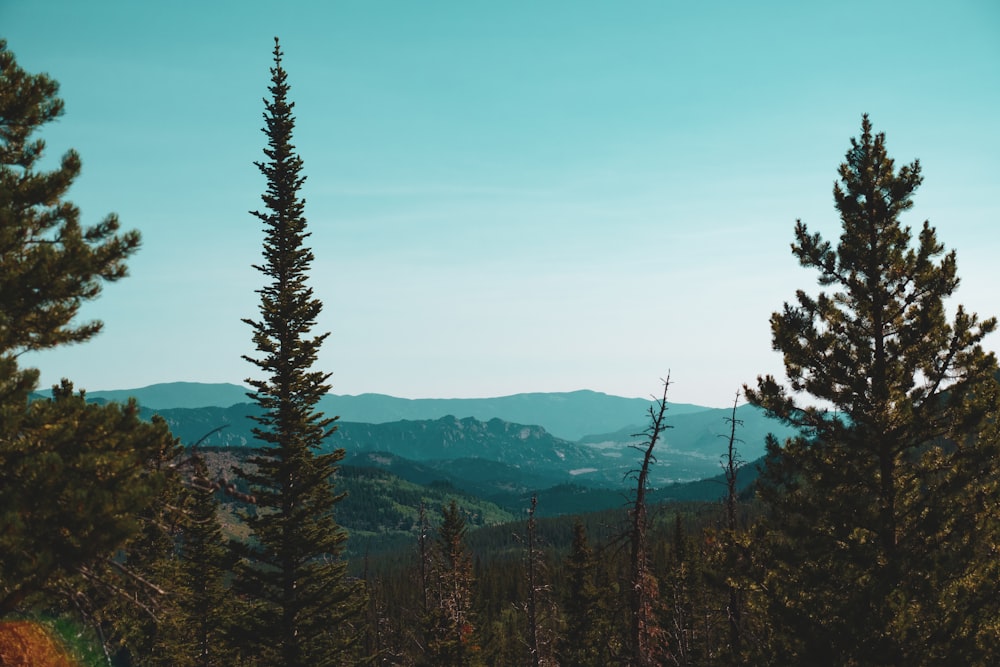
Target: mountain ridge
(517, 442)
(568, 415)
(691, 449)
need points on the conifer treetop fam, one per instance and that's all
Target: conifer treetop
(292, 571)
(50, 264)
(877, 544)
(882, 338)
(288, 307)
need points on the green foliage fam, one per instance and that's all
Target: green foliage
(199, 609)
(300, 607)
(79, 483)
(450, 633)
(73, 476)
(877, 546)
(75, 479)
(538, 605)
(691, 606)
(128, 597)
(49, 263)
(382, 511)
(85, 489)
(81, 642)
(580, 642)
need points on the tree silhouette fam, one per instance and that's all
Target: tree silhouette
(450, 638)
(75, 478)
(301, 604)
(646, 639)
(876, 547)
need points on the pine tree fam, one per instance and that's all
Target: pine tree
(49, 263)
(77, 484)
(201, 604)
(580, 642)
(450, 633)
(132, 593)
(539, 610)
(880, 544)
(302, 605)
(75, 478)
(692, 612)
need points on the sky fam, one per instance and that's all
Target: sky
(505, 197)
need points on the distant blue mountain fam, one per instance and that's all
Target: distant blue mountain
(576, 448)
(690, 449)
(567, 415)
(176, 395)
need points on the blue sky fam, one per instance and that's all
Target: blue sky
(505, 196)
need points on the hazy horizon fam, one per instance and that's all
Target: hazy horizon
(99, 390)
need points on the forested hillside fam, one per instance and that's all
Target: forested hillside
(523, 455)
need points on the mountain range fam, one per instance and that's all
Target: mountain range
(569, 415)
(574, 449)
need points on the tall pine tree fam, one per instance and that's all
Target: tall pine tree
(881, 539)
(75, 477)
(293, 573)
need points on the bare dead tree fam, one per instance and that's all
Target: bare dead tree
(424, 556)
(647, 640)
(731, 465)
(538, 607)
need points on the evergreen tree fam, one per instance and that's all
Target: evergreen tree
(690, 616)
(580, 642)
(539, 611)
(883, 514)
(50, 264)
(181, 551)
(450, 633)
(133, 593)
(293, 573)
(75, 486)
(75, 478)
(201, 604)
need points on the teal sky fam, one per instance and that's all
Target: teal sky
(505, 196)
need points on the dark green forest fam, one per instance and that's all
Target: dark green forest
(870, 538)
